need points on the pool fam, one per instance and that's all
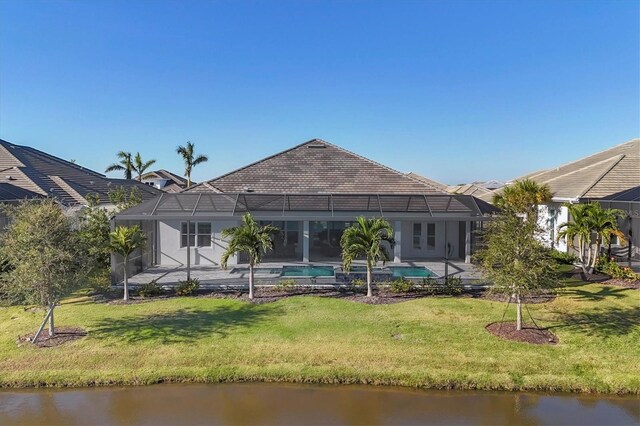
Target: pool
(307, 271)
(257, 271)
(411, 272)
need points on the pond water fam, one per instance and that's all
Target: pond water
(263, 403)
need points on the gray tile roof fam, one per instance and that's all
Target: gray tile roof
(468, 189)
(46, 175)
(165, 174)
(600, 175)
(9, 192)
(317, 166)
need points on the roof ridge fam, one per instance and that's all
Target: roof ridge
(602, 175)
(255, 162)
(68, 189)
(629, 142)
(606, 160)
(2, 145)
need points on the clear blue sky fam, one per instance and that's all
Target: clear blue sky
(454, 90)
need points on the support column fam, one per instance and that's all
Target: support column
(188, 250)
(446, 253)
(397, 236)
(305, 241)
(114, 259)
(467, 242)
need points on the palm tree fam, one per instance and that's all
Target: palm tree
(250, 238)
(365, 239)
(189, 161)
(577, 232)
(523, 197)
(604, 224)
(140, 167)
(124, 240)
(125, 164)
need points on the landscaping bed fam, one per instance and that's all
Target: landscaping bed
(528, 334)
(62, 335)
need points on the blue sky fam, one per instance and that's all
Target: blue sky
(455, 90)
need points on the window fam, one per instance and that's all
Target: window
(199, 232)
(417, 235)
(431, 236)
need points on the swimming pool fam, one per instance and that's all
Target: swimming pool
(411, 272)
(307, 271)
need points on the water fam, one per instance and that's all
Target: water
(307, 271)
(411, 272)
(257, 271)
(260, 403)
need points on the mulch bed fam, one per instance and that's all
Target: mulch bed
(62, 336)
(528, 334)
(623, 283)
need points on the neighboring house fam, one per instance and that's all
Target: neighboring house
(27, 173)
(611, 177)
(468, 189)
(312, 192)
(165, 181)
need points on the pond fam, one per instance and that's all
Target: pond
(263, 403)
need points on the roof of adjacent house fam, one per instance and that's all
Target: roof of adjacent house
(176, 183)
(316, 166)
(468, 189)
(37, 173)
(427, 181)
(597, 176)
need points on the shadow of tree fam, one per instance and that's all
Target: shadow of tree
(577, 292)
(184, 325)
(602, 322)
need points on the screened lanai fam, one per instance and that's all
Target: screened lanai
(184, 229)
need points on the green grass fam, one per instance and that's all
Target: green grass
(432, 342)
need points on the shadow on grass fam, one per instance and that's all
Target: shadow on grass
(601, 322)
(184, 325)
(577, 292)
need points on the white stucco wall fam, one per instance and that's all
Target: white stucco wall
(550, 217)
(170, 252)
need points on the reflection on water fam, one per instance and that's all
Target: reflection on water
(301, 404)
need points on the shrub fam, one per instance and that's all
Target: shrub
(357, 282)
(563, 258)
(453, 286)
(286, 285)
(401, 285)
(610, 267)
(187, 287)
(100, 281)
(150, 290)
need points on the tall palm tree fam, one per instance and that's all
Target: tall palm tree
(250, 238)
(140, 166)
(125, 164)
(190, 160)
(523, 197)
(365, 239)
(124, 240)
(604, 224)
(577, 232)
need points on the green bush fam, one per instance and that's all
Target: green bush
(188, 287)
(100, 281)
(610, 267)
(286, 285)
(453, 286)
(357, 282)
(563, 258)
(401, 285)
(150, 290)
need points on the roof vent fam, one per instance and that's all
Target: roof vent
(316, 145)
(10, 178)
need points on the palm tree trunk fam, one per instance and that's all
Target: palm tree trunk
(188, 180)
(126, 279)
(369, 290)
(251, 280)
(52, 330)
(518, 312)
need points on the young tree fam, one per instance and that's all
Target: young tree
(123, 199)
(523, 197)
(140, 166)
(250, 238)
(190, 160)
(515, 260)
(366, 239)
(45, 256)
(124, 241)
(125, 164)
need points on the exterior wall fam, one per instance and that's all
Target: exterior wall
(410, 252)
(170, 252)
(550, 217)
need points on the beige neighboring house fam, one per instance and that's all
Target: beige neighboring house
(611, 177)
(468, 189)
(165, 181)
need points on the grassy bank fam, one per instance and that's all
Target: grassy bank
(433, 342)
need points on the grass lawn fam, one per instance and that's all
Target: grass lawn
(433, 342)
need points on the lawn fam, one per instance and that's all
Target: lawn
(432, 342)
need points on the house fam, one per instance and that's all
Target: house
(27, 173)
(312, 192)
(610, 177)
(165, 181)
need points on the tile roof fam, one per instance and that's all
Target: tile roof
(317, 166)
(600, 175)
(468, 189)
(46, 175)
(165, 174)
(9, 192)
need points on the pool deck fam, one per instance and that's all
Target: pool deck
(215, 277)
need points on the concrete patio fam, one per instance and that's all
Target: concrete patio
(269, 274)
